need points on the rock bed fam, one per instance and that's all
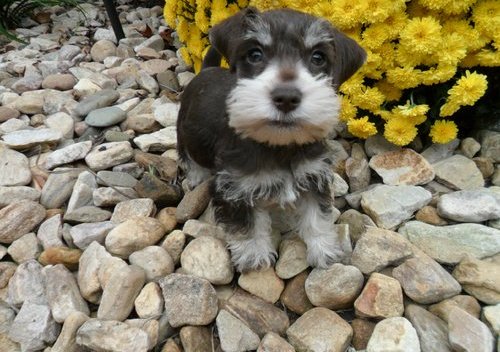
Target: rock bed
(101, 250)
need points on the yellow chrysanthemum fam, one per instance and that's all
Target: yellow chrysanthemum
(470, 36)
(371, 68)
(435, 5)
(413, 112)
(353, 85)
(369, 99)
(345, 14)
(390, 92)
(440, 74)
(201, 19)
(443, 131)
(399, 131)
(361, 128)
(347, 110)
(374, 36)
(488, 58)
(387, 53)
(374, 11)
(404, 77)
(453, 48)
(486, 17)
(466, 91)
(421, 35)
(186, 56)
(394, 24)
(457, 7)
(449, 108)
(408, 58)
(415, 9)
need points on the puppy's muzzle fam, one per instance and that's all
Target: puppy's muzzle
(286, 98)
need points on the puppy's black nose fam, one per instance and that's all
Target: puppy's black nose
(285, 98)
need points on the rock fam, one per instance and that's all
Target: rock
(108, 267)
(196, 339)
(486, 166)
(184, 78)
(362, 331)
(84, 234)
(68, 154)
(264, 284)
(106, 155)
(155, 66)
(389, 206)
(27, 285)
(82, 191)
(66, 342)
(7, 270)
(102, 49)
(166, 114)
(120, 292)
(30, 104)
(25, 248)
(294, 296)
(464, 302)
(115, 178)
(357, 169)
(381, 297)
(14, 125)
(104, 117)
(7, 113)
(131, 208)
(378, 249)
(449, 244)
(155, 42)
(292, 258)
(430, 215)
(273, 342)
(147, 82)
(174, 244)
(63, 81)
(394, 334)
(470, 206)
(101, 99)
(357, 222)
(151, 327)
(154, 260)
(133, 235)
(15, 168)
(24, 139)
(458, 172)
(168, 81)
(85, 88)
(158, 141)
(490, 145)
(34, 328)
(63, 293)
(476, 274)
(402, 167)
(189, 300)
(491, 315)
(58, 187)
(171, 346)
(437, 152)
(467, 333)
(101, 336)
(69, 257)
(15, 194)
(197, 228)
(8, 344)
(469, 147)
(88, 279)
(101, 34)
(7, 315)
(234, 334)
(109, 196)
(166, 168)
(50, 232)
(18, 219)
(425, 281)
(208, 257)
(162, 193)
(149, 303)
(320, 329)
(432, 331)
(87, 214)
(336, 287)
(194, 202)
(142, 123)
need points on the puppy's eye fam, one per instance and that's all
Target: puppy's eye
(255, 55)
(318, 58)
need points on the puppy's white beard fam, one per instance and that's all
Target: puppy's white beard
(251, 110)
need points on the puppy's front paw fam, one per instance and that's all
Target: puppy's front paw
(252, 254)
(324, 250)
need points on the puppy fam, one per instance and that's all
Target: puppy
(260, 128)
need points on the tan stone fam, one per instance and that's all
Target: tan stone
(292, 258)
(467, 303)
(167, 218)
(294, 296)
(362, 330)
(69, 257)
(174, 244)
(196, 339)
(382, 297)
(264, 284)
(429, 215)
(273, 342)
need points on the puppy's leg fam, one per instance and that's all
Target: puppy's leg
(250, 230)
(195, 173)
(315, 227)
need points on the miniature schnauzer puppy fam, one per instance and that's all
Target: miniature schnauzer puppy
(260, 128)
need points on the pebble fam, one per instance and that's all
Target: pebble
(389, 206)
(30, 104)
(362, 331)
(151, 327)
(357, 169)
(25, 248)
(82, 191)
(458, 172)
(133, 235)
(464, 302)
(273, 342)
(7, 270)
(490, 145)
(234, 334)
(394, 334)
(158, 141)
(50, 232)
(194, 202)
(18, 219)
(69, 257)
(470, 206)
(7, 113)
(402, 167)
(184, 78)
(189, 300)
(292, 258)
(164, 194)
(149, 303)
(335, 288)
(425, 281)
(430, 215)
(491, 315)
(65, 81)
(154, 260)
(320, 329)
(87, 214)
(469, 147)
(61, 122)
(106, 155)
(29, 138)
(467, 333)
(166, 168)
(357, 222)
(15, 194)
(114, 178)
(378, 249)
(155, 66)
(27, 285)
(104, 117)
(88, 279)
(478, 275)
(102, 49)
(110, 196)
(207, 257)
(294, 295)
(101, 336)
(134, 207)
(58, 187)
(263, 283)
(168, 80)
(174, 244)
(382, 297)
(68, 154)
(196, 338)
(104, 98)
(84, 234)
(449, 244)
(34, 328)
(485, 165)
(66, 342)
(154, 42)
(437, 152)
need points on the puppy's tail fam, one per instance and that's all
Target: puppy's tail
(212, 59)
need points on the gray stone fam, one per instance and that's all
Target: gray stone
(147, 82)
(7, 270)
(15, 168)
(357, 223)
(131, 208)
(154, 260)
(149, 303)
(63, 293)
(449, 244)
(490, 145)
(25, 248)
(184, 78)
(377, 144)
(7, 315)
(339, 187)
(58, 187)
(87, 213)
(88, 279)
(13, 125)
(470, 206)
(432, 331)
(101, 99)
(27, 285)
(273, 342)
(174, 244)
(18, 219)
(102, 49)
(61, 122)
(30, 104)
(106, 155)
(82, 191)
(469, 147)
(160, 141)
(467, 333)
(166, 114)
(109, 196)
(438, 152)
(84, 234)
(395, 335)
(357, 169)
(491, 315)
(68, 154)
(389, 206)
(66, 342)
(14, 194)
(105, 117)
(155, 42)
(34, 328)
(50, 232)
(29, 138)
(188, 300)
(262, 283)
(292, 258)
(117, 179)
(64, 81)
(7, 113)
(234, 334)
(458, 172)
(194, 202)
(168, 81)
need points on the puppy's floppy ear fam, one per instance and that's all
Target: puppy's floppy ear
(225, 36)
(350, 56)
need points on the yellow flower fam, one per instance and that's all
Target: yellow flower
(394, 24)
(486, 17)
(371, 67)
(345, 14)
(449, 108)
(374, 36)
(416, 9)
(443, 131)
(201, 20)
(347, 110)
(453, 48)
(183, 29)
(421, 35)
(469, 88)
(434, 4)
(408, 58)
(368, 99)
(352, 85)
(399, 131)
(404, 77)
(387, 53)
(391, 93)
(186, 56)
(470, 36)
(170, 12)
(361, 128)
(488, 58)
(412, 112)
(438, 75)
(374, 11)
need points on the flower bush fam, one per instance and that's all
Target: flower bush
(438, 45)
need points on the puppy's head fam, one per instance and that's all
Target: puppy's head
(289, 65)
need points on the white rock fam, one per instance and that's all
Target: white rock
(25, 248)
(166, 114)
(14, 194)
(133, 207)
(106, 155)
(154, 260)
(66, 342)
(14, 168)
(61, 122)
(161, 140)
(27, 285)
(84, 234)
(149, 303)
(50, 232)
(82, 191)
(68, 154)
(234, 334)
(394, 334)
(28, 138)
(88, 278)
(470, 206)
